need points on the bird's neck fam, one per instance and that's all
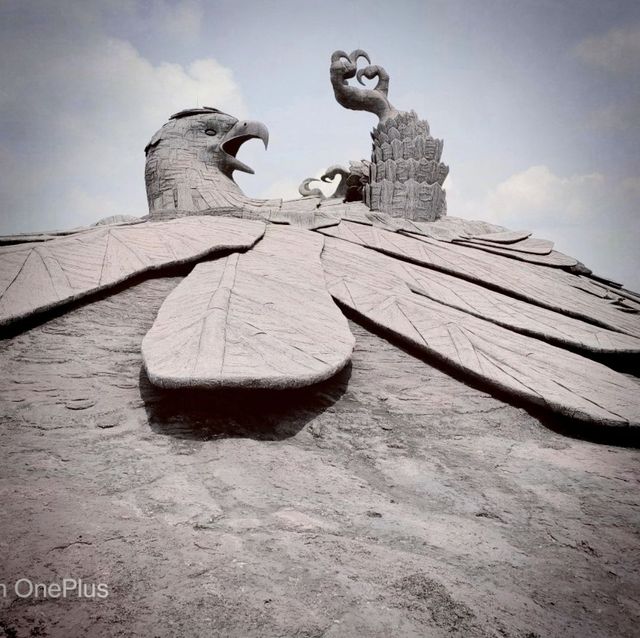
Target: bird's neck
(182, 185)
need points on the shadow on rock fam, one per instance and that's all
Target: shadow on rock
(620, 436)
(267, 415)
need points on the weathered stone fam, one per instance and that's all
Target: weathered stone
(551, 258)
(117, 219)
(550, 288)
(190, 163)
(479, 301)
(406, 175)
(527, 368)
(534, 245)
(40, 276)
(505, 237)
(259, 320)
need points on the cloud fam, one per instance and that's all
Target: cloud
(282, 188)
(616, 50)
(537, 194)
(77, 113)
(593, 217)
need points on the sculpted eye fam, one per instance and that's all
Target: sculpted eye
(210, 131)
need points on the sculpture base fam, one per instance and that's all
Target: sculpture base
(417, 201)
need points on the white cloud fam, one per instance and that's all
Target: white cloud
(284, 188)
(592, 217)
(537, 194)
(616, 50)
(77, 113)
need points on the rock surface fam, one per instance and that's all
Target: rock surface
(526, 368)
(363, 265)
(407, 503)
(546, 287)
(528, 245)
(42, 276)
(263, 319)
(549, 258)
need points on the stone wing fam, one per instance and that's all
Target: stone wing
(494, 305)
(262, 319)
(39, 276)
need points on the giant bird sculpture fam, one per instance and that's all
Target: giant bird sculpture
(262, 306)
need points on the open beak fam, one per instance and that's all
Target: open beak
(235, 138)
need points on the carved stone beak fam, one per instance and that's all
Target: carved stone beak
(233, 140)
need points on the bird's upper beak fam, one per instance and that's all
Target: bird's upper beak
(233, 140)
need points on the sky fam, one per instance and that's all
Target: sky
(538, 103)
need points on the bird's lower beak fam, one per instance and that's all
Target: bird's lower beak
(233, 140)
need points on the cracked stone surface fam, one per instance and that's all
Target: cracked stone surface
(262, 319)
(547, 287)
(38, 277)
(526, 368)
(406, 503)
(361, 265)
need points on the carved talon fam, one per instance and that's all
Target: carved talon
(305, 191)
(331, 173)
(344, 67)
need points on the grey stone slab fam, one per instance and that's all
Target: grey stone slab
(551, 288)
(526, 368)
(331, 202)
(302, 204)
(514, 314)
(553, 258)
(529, 245)
(305, 213)
(504, 237)
(262, 319)
(449, 228)
(40, 276)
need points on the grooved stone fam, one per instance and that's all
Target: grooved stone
(504, 237)
(552, 258)
(505, 311)
(529, 245)
(37, 277)
(551, 288)
(526, 368)
(262, 319)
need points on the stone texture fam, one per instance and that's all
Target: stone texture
(526, 318)
(365, 505)
(262, 319)
(504, 237)
(552, 258)
(529, 369)
(405, 174)
(551, 288)
(446, 228)
(393, 498)
(40, 276)
(293, 214)
(117, 219)
(530, 245)
(190, 163)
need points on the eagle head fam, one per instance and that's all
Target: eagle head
(190, 161)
